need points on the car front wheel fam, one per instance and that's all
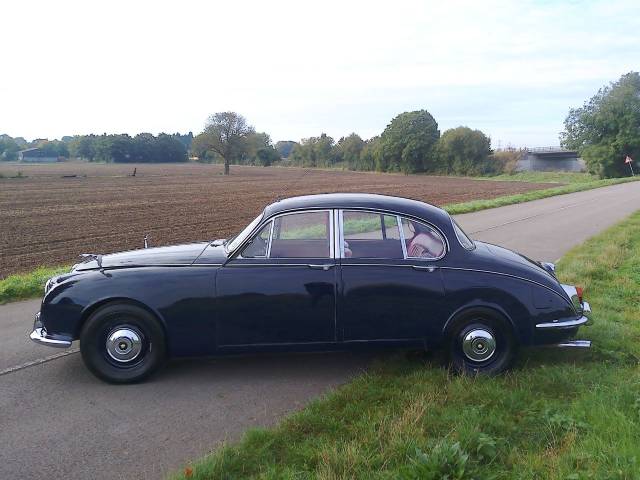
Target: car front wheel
(482, 344)
(122, 343)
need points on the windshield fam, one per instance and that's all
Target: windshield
(463, 238)
(236, 240)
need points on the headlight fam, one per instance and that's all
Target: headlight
(50, 284)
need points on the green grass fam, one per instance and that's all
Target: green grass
(545, 177)
(27, 285)
(476, 205)
(559, 414)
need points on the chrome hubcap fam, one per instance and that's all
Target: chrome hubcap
(479, 345)
(124, 344)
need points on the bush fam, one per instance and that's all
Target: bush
(504, 161)
(463, 151)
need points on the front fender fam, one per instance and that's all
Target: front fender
(181, 298)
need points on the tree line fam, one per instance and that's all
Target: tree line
(604, 131)
(121, 148)
(411, 143)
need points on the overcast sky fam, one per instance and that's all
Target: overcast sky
(296, 69)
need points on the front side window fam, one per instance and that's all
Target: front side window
(259, 246)
(302, 235)
(422, 241)
(371, 235)
(237, 240)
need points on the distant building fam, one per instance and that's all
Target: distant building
(550, 159)
(36, 155)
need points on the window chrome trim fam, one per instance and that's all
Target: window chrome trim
(455, 224)
(270, 239)
(341, 233)
(402, 239)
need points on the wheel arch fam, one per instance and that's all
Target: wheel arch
(90, 309)
(496, 311)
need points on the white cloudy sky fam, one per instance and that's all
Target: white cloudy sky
(299, 68)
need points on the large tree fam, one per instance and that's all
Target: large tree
(463, 151)
(225, 133)
(349, 149)
(408, 141)
(607, 128)
(9, 148)
(284, 147)
(315, 152)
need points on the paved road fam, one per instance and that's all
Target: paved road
(57, 420)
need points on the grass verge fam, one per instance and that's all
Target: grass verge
(545, 177)
(27, 285)
(559, 414)
(477, 205)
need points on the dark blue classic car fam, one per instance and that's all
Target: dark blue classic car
(318, 272)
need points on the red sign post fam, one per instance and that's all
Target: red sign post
(629, 160)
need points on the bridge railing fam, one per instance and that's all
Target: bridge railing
(552, 149)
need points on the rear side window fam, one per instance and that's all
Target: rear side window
(422, 241)
(463, 238)
(371, 235)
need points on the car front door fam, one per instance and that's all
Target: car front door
(281, 288)
(390, 282)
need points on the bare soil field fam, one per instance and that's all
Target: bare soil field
(58, 211)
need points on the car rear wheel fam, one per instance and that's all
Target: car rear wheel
(122, 343)
(481, 344)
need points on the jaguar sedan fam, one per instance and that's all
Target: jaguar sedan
(318, 272)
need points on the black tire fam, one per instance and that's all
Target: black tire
(124, 325)
(471, 339)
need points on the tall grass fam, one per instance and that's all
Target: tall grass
(558, 415)
(27, 285)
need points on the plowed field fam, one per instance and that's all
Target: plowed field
(50, 216)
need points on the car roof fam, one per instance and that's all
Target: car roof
(359, 201)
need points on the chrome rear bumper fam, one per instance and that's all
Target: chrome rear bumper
(583, 320)
(40, 335)
(574, 344)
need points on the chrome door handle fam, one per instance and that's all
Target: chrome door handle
(425, 268)
(324, 267)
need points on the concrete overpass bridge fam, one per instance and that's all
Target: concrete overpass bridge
(553, 158)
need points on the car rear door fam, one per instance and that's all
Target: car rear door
(281, 289)
(386, 296)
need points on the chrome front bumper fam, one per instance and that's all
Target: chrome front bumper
(40, 335)
(583, 320)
